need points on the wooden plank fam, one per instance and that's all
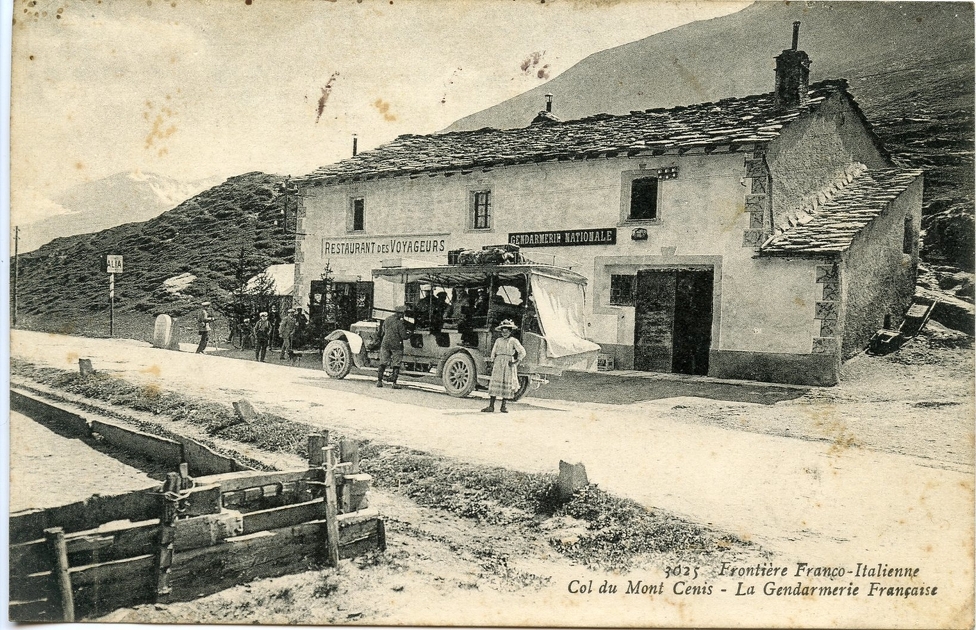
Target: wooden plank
(43, 610)
(59, 552)
(349, 452)
(202, 500)
(101, 588)
(230, 482)
(167, 452)
(54, 416)
(140, 505)
(317, 442)
(35, 586)
(206, 530)
(30, 557)
(112, 543)
(289, 492)
(237, 560)
(204, 461)
(276, 518)
(331, 524)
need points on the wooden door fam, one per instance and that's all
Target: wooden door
(654, 294)
(692, 335)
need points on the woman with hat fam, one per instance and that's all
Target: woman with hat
(506, 354)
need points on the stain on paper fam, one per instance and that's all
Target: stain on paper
(326, 90)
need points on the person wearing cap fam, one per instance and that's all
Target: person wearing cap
(262, 334)
(203, 326)
(506, 354)
(286, 329)
(392, 333)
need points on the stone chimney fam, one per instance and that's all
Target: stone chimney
(792, 75)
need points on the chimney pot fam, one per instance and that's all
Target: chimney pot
(354, 144)
(549, 103)
(792, 75)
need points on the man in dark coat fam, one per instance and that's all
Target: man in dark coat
(203, 326)
(262, 335)
(394, 333)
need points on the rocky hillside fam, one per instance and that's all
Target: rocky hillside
(198, 243)
(107, 202)
(910, 66)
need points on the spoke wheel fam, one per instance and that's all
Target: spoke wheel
(459, 375)
(337, 358)
(522, 388)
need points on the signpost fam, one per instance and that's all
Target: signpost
(112, 264)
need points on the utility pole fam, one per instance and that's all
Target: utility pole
(16, 270)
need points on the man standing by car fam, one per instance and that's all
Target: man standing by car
(286, 330)
(394, 333)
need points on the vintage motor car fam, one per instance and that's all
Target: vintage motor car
(453, 311)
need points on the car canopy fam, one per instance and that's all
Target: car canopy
(557, 292)
(475, 274)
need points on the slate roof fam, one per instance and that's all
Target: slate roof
(831, 227)
(729, 122)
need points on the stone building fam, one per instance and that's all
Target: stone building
(764, 237)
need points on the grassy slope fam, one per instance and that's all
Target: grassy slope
(62, 287)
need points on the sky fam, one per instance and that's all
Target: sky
(194, 89)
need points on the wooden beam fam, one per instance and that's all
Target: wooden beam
(202, 500)
(286, 516)
(38, 610)
(88, 514)
(229, 482)
(59, 551)
(332, 525)
(349, 452)
(30, 557)
(264, 554)
(209, 529)
(167, 452)
(101, 545)
(101, 588)
(316, 442)
(34, 586)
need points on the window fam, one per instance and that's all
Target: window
(621, 290)
(481, 210)
(358, 214)
(908, 245)
(643, 199)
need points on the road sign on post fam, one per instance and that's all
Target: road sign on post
(111, 263)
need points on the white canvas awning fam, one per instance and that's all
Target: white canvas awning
(282, 277)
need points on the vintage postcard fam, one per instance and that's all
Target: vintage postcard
(552, 313)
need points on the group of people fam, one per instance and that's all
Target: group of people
(261, 330)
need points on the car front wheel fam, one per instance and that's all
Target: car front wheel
(459, 375)
(337, 358)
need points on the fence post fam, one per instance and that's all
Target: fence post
(331, 517)
(167, 534)
(59, 549)
(316, 442)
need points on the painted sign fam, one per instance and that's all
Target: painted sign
(385, 245)
(112, 263)
(564, 238)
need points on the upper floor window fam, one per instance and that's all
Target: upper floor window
(358, 214)
(621, 290)
(481, 210)
(643, 199)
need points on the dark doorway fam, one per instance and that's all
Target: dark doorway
(338, 305)
(673, 320)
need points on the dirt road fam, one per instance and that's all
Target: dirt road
(823, 502)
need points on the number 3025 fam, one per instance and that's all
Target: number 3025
(681, 570)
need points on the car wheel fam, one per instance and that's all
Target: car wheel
(337, 358)
(522, 388)
(459, 375)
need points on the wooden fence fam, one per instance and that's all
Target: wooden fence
(190, 536)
